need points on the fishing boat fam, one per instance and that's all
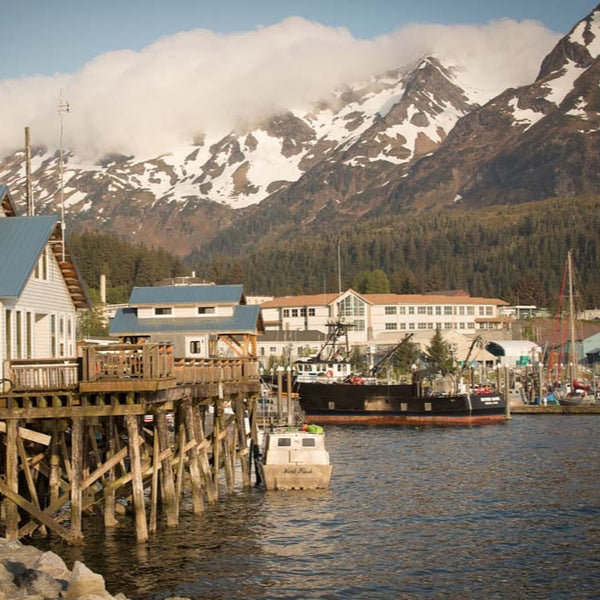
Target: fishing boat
(354, 399)
(295, 458)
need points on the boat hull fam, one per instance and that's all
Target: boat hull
(296, 477)
(380, 404)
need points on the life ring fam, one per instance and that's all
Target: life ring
(330, 373)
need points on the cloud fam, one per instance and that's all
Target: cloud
(149, 102)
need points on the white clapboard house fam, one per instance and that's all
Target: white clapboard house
(40, 288)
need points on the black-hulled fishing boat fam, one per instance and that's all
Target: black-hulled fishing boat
(330, 394)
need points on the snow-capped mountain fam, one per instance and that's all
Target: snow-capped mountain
(533, 142)
(419, 136)
(181, 199)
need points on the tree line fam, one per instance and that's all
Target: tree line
(516, 253)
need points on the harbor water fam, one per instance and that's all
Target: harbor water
(497, 511)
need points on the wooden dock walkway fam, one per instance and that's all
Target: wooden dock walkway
(123, 427)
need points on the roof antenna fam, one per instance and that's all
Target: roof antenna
(63, 107)
(29, 192)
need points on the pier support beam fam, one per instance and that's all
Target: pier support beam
(137, 482)
(168, 484)
(76, 476)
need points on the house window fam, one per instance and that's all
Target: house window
(461, 310)
(358, 325)
(294, 312)
(286, 312)
(273, 349)
(421, 310)
(482, 310)
(391, 326)
(447, 310)
(206, 310)
(29, 330)
(447, 325)
(411, 325)
(8, 329)
(303, 312)
(402, 325)
(19, 333)
(402, 310)
(470, 310)
(53, 335)
(312, 312)
(438, 310)
(489, 310)
(429, 325)
(196, 347)
(163, 311)
(411, 310)
(430, 310)
(422, 325)
(390, 310)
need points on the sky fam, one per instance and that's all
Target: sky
(60, 36)
(146, 75)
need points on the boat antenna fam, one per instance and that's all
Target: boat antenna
(63, 107)
(574, 356)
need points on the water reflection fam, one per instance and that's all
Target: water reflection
(508, 511)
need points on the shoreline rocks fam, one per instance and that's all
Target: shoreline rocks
(27, 573)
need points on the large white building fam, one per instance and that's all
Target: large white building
(384, 318)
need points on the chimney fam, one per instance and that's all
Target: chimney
(103, 288)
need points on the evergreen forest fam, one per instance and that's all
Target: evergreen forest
(513, 252)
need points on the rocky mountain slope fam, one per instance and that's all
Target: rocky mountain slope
(412, 138)
(530, 143)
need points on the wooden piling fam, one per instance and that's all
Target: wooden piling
(141, 529)
(12, 479)
(194, 458)
(76, 475)
(167, 476)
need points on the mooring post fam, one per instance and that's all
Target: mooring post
(54, 479)
(109, 492)
(507, 392)
(290, 405)
(238, 407)
(12, 479)
(167, 478)
(76, 475)
(203, 453)
(137, 483)
(154, 497)
(194, 458)
(216, 434)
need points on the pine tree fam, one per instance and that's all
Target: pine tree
(438, 353)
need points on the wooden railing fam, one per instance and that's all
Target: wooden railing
(116, 362)
(42, 374)
(127, 361)
(214, 370)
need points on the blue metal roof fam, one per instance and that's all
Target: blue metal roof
(22, 240)
(187, 294)
(245, 319)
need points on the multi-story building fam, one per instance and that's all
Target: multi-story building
(374, 318)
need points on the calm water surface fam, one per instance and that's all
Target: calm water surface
(497, 511)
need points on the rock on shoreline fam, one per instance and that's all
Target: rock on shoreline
(27, 573)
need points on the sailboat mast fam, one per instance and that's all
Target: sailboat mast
(571, 315)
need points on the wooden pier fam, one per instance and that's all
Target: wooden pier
(125, 428)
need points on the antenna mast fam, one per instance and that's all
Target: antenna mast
(30, 207)
(63, 107)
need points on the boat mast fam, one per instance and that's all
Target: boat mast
(63, 107)
(571, 315)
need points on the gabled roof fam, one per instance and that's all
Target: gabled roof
(300, 301)
(245, 319)
(22, 240)
(7, 206)
(187, 294)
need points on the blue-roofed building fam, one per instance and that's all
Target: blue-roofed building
(200, 321)
(40, 288)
